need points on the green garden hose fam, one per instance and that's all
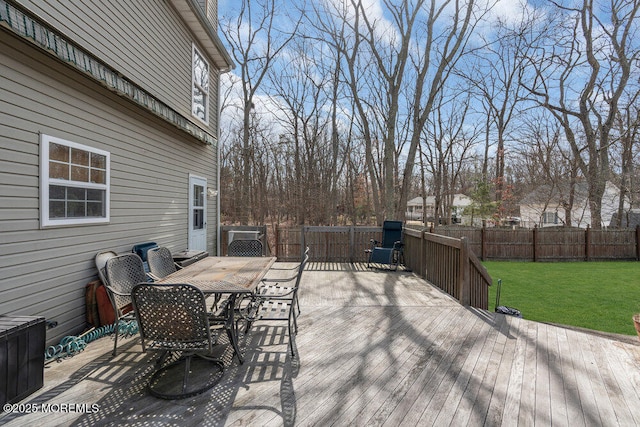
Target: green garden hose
(71, 345)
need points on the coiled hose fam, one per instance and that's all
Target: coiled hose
(70, 345)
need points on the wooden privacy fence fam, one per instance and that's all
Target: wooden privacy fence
(548, 244)
(326, 244)
(448, 264)
(444, 261)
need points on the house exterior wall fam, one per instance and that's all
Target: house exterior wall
(44, 270)
(144, 40)
(532, 213)
(415, 205)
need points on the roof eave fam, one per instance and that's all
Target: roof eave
(193, 15)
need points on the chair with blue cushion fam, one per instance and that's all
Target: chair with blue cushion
(390, 250)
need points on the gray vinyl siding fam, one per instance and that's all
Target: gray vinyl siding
(210, 8)
(145, 40)
(44, 271)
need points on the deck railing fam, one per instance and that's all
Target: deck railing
(326, 244)
(448, 263)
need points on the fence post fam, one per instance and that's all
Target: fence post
(587, 243)
(535, 242)
(421, 265)
(277, 240)
(352, 243)
(463, 275)
(637, 242)
(483, 249)
(302, 238)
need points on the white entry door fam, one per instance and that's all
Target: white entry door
(197, 213)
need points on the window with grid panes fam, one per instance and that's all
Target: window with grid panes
(74, 183)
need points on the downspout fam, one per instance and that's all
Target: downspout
(218, 195)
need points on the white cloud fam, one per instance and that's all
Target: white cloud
(507, 11)
(374, 12)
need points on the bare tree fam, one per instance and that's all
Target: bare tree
(394, 66)
(498, 69)
(544, 164)
(580, 75)
(255, 44)
(627, 125)
(447, 148)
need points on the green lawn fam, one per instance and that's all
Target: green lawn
(594, 295)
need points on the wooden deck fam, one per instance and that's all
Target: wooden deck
(374, 348)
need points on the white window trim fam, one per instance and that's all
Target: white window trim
(546, 216)
(194, 52)
(45, 181)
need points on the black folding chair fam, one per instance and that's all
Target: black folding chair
(390, 250)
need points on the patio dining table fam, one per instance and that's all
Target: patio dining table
(233, 276)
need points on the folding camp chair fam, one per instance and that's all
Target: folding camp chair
(390, 250)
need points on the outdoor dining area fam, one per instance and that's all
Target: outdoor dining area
(250, 340)
(183, 311)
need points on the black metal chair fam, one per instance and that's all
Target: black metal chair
(277, 287)
(123, 273)
(174, 320)
(280, 304)
(161, 263)
(245, 248)
(390, 250)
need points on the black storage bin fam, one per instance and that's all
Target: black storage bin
(22, 342)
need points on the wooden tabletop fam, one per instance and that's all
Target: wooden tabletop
(223, 274)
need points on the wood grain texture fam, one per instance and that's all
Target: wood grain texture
(374, 348)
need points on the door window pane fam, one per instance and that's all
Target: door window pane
(198, 195)
(198, 219)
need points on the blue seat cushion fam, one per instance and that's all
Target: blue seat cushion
(381, 255)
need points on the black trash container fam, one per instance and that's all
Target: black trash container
(22, 342)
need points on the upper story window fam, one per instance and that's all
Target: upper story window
(549, 217)
(200, 87)
(74, 183)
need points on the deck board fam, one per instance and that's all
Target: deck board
(374, 348)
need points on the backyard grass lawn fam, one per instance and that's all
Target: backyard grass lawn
(594, 295)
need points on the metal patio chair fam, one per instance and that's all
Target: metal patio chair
(174, 320)
(390, 250)
(275, 304)
(161, 263)
(101, 264)
(123, 273)
(245, 248)
(284, 287)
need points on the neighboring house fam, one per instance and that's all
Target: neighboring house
(630, 219)
(544, 207)
(108, 138)
(415, 207)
